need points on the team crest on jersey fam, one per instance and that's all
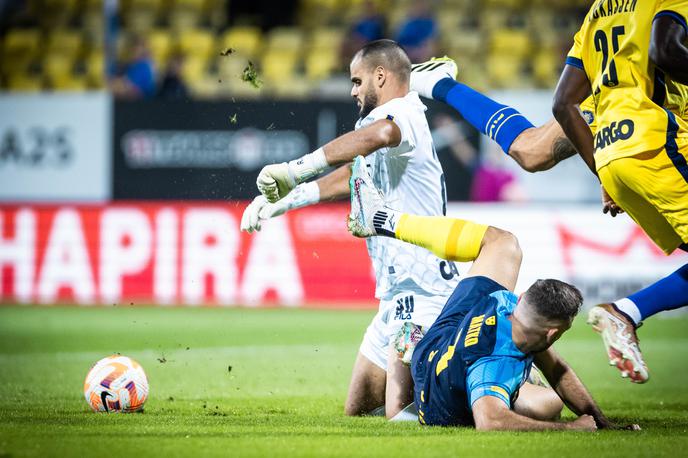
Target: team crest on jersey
(589, 116)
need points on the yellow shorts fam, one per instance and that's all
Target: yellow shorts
(652, 188)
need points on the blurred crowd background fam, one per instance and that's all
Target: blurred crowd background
(132, 132)
(174, 48)
(299, 50)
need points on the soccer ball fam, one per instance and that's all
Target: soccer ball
(116, 384)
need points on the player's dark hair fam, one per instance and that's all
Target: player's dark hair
(388, 54)
(554, 299)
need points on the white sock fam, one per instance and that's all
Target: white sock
(385, 221)
(629, 308)
(409, 413)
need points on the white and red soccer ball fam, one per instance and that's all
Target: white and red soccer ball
(116, 384)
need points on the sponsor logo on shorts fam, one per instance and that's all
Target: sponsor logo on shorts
(404, 308)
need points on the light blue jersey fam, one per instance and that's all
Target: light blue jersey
(467, 354)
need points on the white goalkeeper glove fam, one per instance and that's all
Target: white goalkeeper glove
(260, 209)
(275, 181)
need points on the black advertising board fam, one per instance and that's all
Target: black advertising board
(214, 150)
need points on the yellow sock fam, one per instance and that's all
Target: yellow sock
(449, 238)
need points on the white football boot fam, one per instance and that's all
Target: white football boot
(366, 201)
(425, 75)
(620, 340)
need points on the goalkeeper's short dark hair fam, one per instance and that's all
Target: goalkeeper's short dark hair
(388, 54)
(554, 299)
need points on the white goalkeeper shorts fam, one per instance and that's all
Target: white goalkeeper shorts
(418, 309)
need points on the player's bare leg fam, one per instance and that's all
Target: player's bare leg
(620, 340)
(538, 402)
(366, 389)
(399, 387)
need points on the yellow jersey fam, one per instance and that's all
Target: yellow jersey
(677, 99)
(676, 102)
(628, 90)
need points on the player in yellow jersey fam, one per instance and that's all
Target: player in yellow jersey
(540, 148)
(621, 55)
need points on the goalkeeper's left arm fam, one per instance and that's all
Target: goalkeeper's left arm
(330, 187)
(275, 181)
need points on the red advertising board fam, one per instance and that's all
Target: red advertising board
(194, 253)
(186, 253)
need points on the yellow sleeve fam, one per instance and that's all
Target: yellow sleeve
(575, 55)
(677, 9)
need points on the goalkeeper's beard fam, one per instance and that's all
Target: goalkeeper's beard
(369, 103)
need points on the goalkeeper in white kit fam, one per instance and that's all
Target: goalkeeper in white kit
(412, 284)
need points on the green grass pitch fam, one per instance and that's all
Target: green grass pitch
(284, 393)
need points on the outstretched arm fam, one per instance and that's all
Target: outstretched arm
(572, 89)
(540, 148)
(491, 414)
(335, 185)
(332, 186)
(381, 133)
(277, 180)
(568, 386)
(668, 45)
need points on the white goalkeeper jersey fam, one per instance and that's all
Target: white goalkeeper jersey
(411, 178)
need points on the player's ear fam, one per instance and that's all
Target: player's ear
(380, 76)
(552, 334)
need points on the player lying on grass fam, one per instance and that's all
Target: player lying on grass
(640, 151)
(471, 364)
(540, 148)
(393, 134)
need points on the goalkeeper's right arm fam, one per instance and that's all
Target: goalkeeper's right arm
(330, 187)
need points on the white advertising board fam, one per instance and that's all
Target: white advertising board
(55, 147)
(607, 258)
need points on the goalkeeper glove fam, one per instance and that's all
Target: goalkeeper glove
(275, 181)
(260, 209)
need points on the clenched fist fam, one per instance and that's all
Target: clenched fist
(276, 181)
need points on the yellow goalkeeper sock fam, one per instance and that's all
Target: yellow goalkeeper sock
(449, 238)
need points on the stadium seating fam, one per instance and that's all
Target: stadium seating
(20, 48)
(320, 64)
(245, 40)
(278, 65)
(160, 44)
(24, 83)
(197, 43)
(94, 70)
(498, 43)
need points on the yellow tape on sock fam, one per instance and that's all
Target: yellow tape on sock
(449, 238)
